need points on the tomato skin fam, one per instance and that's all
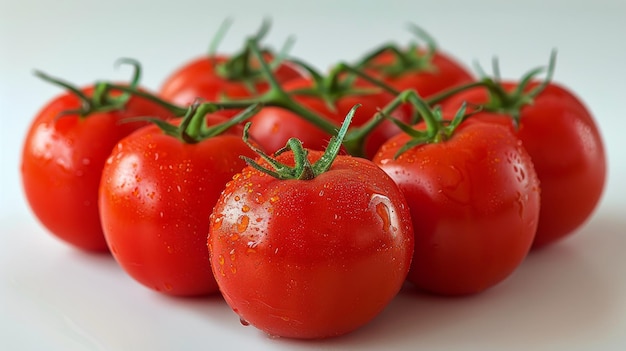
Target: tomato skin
(62, 160)
(155, 199)
(567, 150)
(311, 258)
(474, 201)
(445, 73)
(198, 79)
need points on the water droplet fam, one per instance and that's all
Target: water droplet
(521, 203)
(383, 212)
(243, 223)
(244, 322)
(386, 211)
(245, 208)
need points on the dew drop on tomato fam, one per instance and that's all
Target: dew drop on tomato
(385, 210)
(243, 223)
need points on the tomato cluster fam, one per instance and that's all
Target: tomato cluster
(308, 199)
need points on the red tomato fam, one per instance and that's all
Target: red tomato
(441, 73)
(271, 132)
(474, 200)
(62, 160)
(200, 78)
(156, 196)
(273, 126)
(311, 258)
(567, 150)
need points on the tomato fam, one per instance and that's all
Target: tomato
(567, 150)
(201, 78)
(62, 161)
(437, 74)
(155, 199)
(310, 258)
(474, 201)
(273, 126)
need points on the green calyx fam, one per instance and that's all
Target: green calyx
(193, 127)
(302, 169)
(511, 103)
(239, 66)
(411, 59)
(338, 83)
(101, 100)
(437, 129)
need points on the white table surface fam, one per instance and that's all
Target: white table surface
(571, 296)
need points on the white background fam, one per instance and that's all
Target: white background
(571, 296)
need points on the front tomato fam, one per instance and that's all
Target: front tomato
(156, 195)
(311, 258)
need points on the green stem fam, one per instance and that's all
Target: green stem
(355, 141)
(194, 129)
(302, 169)
(377, 82)
(174, 109)
(439, 97)
(276, 96)
(424, 110)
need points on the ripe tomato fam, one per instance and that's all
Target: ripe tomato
(271, 132)
(566, 147)
(474, 200)
(273, 126)
(311, 258)
(156, 196)
(202, 78)
(439, 73)
(62, 160)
